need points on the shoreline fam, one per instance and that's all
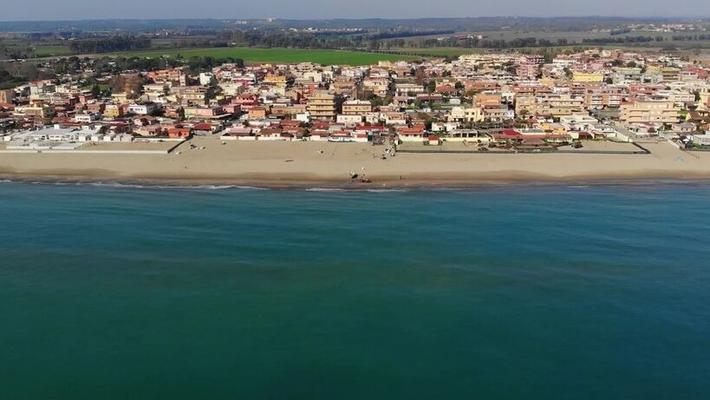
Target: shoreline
(408, 184)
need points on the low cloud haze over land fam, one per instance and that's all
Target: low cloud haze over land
(317, 9)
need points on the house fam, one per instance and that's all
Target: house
(444, 126)
(349, 119)
(684, 127)
(239, 133)
(466, 114)
(179, 133)
(467, 135)
(319, 135)
(204, 112)
(273, 134)
(85, 118)
(433, 140)
(257, 113)
(414, 134)
(508, 136)
(701, 140)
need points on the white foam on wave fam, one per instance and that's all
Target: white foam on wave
(318, 189)
(174, 187)
(356, 190)
(148, 186)
(386, 190)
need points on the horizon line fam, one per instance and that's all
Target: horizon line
(90, 19)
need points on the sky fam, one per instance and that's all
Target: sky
(318, 9)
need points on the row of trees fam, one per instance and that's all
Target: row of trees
(9, 52)
(623, 40)
(114, 43)
(116, 65)
(17, 73)
(7, 80)
(491, 43)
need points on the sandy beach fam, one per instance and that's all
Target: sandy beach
(284, 164)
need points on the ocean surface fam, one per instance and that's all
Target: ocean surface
(519, 292)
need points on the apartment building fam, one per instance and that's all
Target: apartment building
(37, 112)
(559, 104)
(6, 96)
(588, 77)
(356, 107)
(600, 97)
(406, 89)
(322, 105)
(488, 99)
(174, 75)
(649, 111)
(526, 105)
(377, 86)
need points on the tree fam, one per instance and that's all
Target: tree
(96, 90)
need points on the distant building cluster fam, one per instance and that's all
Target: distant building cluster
(594, 94)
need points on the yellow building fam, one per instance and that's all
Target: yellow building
(120, 98)
(41, 111)
(558, 105)
(648, 111)
(525, 106)
(588, 77)
(113, 111)
(546, 81)
(466, 114)
(488, 99)
(356, 107)
(274, 79)
(321, 105)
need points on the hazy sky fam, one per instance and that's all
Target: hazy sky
(304, 9)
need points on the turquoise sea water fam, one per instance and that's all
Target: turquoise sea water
(554, 292)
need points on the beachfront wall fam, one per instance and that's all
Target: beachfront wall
(411, 137)
(234, 137)
(472, 139)
(275, 138)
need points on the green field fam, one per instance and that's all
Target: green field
(276, 55)
(49, 51)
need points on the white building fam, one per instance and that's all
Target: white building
(143, 109)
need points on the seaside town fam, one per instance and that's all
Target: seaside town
(597, 101)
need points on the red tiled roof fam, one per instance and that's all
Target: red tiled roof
(511, 133)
